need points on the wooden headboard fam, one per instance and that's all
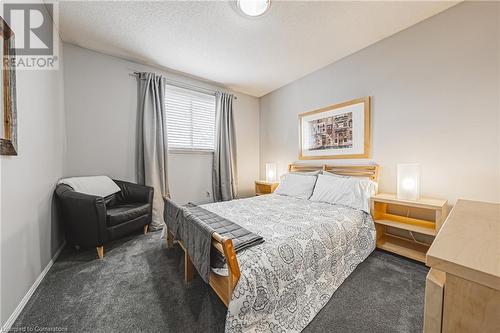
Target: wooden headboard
(370, 170)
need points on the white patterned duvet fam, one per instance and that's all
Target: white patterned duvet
(310, 249)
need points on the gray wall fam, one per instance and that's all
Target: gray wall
(101, 108)
(30, 234)
(435, 89)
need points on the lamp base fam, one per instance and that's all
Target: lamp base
(408, 196)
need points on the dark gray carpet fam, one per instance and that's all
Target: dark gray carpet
(139, 286)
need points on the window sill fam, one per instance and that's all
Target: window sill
(191, 151)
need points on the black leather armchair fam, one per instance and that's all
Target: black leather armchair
(91, 221)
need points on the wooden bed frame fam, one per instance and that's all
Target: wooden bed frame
(224, 285)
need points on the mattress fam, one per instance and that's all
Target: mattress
(310, 248)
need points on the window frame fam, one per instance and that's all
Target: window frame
(192, 150)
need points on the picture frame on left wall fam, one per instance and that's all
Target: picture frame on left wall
(336, 131)
(8, 114)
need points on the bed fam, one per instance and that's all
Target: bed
(310, 248)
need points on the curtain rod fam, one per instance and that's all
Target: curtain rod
(187, 85)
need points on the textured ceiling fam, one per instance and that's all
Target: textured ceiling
(212, 41)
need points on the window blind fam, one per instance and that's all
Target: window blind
(190, 119)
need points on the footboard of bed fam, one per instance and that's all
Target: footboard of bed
(222, 285)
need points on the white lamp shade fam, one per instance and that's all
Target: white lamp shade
(270, 172)
(409, 181)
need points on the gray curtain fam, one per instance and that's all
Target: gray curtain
(152, 144)
(224, 174)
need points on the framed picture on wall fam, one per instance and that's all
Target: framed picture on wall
(336, 131)
(8, 113)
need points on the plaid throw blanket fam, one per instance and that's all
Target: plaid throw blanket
(195, 225)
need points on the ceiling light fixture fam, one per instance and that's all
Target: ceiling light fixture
(254, 8)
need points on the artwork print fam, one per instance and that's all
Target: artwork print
(8, 112)
(336, 131)
(331, 132)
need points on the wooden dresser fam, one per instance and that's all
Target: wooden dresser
(462, 292)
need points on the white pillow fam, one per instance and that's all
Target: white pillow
(306, 173)
(323, 172)
(297, 185)
(349, 191)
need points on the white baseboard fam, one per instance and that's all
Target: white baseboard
(6, 327)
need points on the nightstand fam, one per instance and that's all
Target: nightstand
(407, 227)
(263, 187)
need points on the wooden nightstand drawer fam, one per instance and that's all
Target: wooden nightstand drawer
(263, 187)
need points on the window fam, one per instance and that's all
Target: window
(190, 119)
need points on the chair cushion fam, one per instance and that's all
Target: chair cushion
(125, 212)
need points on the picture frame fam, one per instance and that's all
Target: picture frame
(339, 131)
(8, 114)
